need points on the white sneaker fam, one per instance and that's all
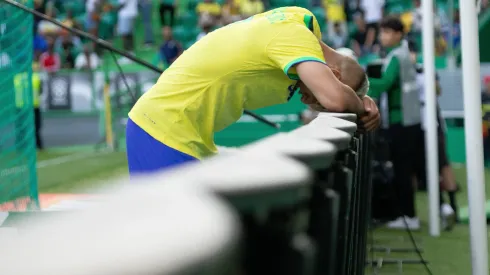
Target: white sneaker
(403, 222)
(448, 216)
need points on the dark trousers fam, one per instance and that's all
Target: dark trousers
(165, 8)
(37, 124)
(403, 148)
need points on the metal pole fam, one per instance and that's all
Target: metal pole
(473, 133)
(430, 116)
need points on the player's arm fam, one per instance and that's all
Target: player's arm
(296, 49)
(387, 80)
(332, 94)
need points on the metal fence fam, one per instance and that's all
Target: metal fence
(292, 203)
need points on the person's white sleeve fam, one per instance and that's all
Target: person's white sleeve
(80, 61)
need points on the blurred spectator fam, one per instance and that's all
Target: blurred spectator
(359, 37)
(128, 10)
(208, 7)
(39, 6)
(167, 6)
(66, 39)
(251, 7)
(66, 45)
(456, 30)
(171, 48)
(337, 38)
(45, 27)
(230, 12)
(485, 100)
(206, 23)
(441, 44)
(40, 46)
(69, 21)
(88, 59)
(92, 18)
(417, 18)
(334, 10)
(50, 61)
(146, 8)
(373, 13)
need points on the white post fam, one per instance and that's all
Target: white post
(473, 132)
(430, 116)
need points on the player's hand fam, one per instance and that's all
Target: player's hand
(371, 119)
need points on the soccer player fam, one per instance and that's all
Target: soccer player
(250, 64)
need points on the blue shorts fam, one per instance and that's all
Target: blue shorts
(146, 154)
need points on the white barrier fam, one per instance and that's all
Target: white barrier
(334, 122)
(339, 138)
(249, 180)
(145, 229)
(173, 222)
(316, 154)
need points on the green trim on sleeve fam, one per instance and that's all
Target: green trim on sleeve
(308, 20)
(297, 61)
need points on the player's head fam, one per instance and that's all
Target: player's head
(391, 31)
(167, 32)
(345, 66)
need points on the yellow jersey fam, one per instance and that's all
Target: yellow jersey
(251, 7)
(249, 64)
(211, 8)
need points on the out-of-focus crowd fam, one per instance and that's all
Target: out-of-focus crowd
(345, 23)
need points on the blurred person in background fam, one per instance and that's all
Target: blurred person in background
(230, 12)
(128, 10)
(485, 100)
(209, 8)
(208, 87)
(47, 28)
(40, 45)
(251, 7)
(20, 85)
(359, 40)
(206, 22)
(418, 17)
(337, 38)
(146, 16)
(334, 11)
(50, 61)
(69, 21)
(92, 18)
(67, 44)
(167, 7)
(170, 49)
(399, 81)
(447, 179)
(87, 59)
(39, 6)
(373, 13)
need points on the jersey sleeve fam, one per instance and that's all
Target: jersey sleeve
(292, 45)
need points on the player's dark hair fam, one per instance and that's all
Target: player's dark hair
(393, 23)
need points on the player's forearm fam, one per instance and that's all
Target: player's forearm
(353, 103)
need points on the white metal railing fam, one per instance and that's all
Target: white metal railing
(291, 192)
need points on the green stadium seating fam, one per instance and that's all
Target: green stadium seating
(303, 3)
(183, 34)
(188, 19)
(282, 3)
